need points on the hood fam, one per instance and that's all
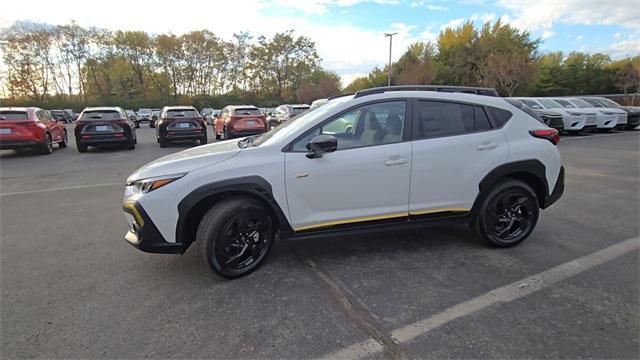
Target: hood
(188, 160)
(547, 112)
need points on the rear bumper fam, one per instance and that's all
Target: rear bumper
(557, 192)
(18, 144)
(241, 133)
(104, 141)
(144, 235)
(186, 135)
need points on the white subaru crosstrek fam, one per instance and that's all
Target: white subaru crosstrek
(384, 158)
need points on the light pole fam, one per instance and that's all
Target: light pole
(390, 36)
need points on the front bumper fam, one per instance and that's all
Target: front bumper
(143, 233)
(103, 141)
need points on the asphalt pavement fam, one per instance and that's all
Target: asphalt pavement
(71, 287)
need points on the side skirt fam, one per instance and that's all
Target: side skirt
(408, 223)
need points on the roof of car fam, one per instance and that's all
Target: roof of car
(103, 108)
(241, 106)
(30, 108)
(184, 107)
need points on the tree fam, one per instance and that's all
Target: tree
(320, 84)
(416, 66)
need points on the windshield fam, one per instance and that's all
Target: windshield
(187, 113)
(97, 115)
(206, 111)
(247, 111)
(13, 115)
(594, 102)
(532, 104)
(299, 110)
(289, 127)
(565, 104)
(581, 103)
(144, 111)
(549, 104)
(608, 102)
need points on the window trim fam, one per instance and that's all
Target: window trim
(416, 118)
(406, 131)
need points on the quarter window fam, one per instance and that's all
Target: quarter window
(500, 116)
(375, 124)
(437, 119)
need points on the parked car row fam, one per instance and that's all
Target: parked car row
(575, 114)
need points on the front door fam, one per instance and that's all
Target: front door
(366, 179)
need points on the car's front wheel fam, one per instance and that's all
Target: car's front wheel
(507, 214)
(235, 236)
(47, 146)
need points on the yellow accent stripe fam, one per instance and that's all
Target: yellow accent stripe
(136, 214)
(354, 220)
(431, 211)
(379, 217)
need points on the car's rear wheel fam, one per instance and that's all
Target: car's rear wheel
(235, 236)
(163, 142)
(65, 140)
(507, 215)
(81, 147)
(137, 124)
(226, 134)
(152, 124)
(47, 146)
(131, 144)
(203, 139)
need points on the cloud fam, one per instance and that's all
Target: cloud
(436, 8)
(453, 23)
(484, 17)
(579, 37)
(542, 14)
(547, 34)
(624, 48)
(320, 7)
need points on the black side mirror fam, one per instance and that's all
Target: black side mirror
(320, 145)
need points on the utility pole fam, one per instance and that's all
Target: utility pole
(390, 36)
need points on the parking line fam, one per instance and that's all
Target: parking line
(503, 294)
(61, 189)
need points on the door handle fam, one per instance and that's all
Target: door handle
(487, 146)
(396, 160)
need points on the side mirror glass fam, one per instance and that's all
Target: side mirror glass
(320, 145)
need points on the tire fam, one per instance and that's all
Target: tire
(81, 147)
(131, 144)
(163, 142)
(152, 124)
(498, 208)
(220, 239)
(203, 139)
(137, 124)
(65, 141)
(47, 147)
(218, 137)
(273, 124)
(226, 134)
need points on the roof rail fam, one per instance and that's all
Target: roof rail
(439, 88)
(339, 96)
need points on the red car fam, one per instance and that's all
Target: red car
(240, 120)
(31, 127)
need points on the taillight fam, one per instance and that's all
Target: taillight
(548, 134)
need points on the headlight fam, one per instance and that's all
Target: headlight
(607, 112)
(575, 113)
(144, 186)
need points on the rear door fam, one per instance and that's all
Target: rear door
(366, 179)
(52, 125)
(454, 147)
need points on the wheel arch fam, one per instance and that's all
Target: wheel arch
(194, 206)
(532, 172)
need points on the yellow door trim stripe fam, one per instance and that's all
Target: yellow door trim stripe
(431, 211)
(353, 220)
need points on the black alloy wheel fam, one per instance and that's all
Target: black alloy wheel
(236, 235)
(508, 214)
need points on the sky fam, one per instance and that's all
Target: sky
(349, 33)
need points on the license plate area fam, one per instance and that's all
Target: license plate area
(102, 128)
(5, 131)
(252, 123)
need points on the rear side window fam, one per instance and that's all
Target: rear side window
(298, 110)
(500, 116)
(521, 105)
(189, 113)
(99, 115)
(437, 119)
(13, 115)
(246, 111)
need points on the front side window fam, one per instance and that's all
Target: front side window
(375, 124)
(549, 104)
(565, 104)
(532, 104)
